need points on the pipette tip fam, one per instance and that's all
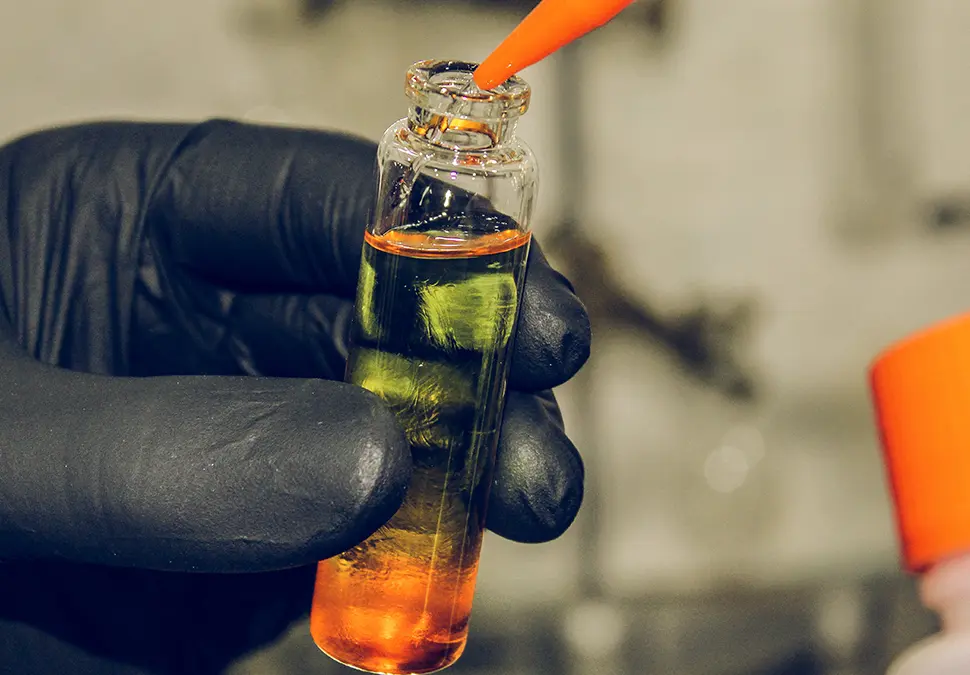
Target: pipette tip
(550, 26)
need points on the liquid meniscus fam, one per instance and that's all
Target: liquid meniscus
(435, 318)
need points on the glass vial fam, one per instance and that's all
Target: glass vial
(438, 299)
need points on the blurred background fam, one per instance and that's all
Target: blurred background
(753, 197)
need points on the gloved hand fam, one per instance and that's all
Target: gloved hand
(166, 293)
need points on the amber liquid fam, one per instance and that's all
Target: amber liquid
(435, 318)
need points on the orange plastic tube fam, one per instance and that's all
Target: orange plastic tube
(551, 25)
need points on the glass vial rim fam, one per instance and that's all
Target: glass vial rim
(447, 87)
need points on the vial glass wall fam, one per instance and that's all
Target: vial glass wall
(438, 299)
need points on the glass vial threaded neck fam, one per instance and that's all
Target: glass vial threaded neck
(450, 111)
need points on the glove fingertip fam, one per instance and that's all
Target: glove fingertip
(539, 482)
(372, 475)
(552, 345)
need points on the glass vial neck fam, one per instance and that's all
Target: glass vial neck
(450, 111)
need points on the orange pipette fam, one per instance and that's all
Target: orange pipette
(551, 25)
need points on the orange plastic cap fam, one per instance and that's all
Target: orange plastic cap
(921, 390)
(551, 25)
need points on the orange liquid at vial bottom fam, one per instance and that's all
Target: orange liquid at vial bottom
(435, 316)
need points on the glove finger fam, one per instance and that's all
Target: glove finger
(277, 209)
(538, 486)
(259, 334)
(269, 209)
(307, 335)
(218, 331)
(291, 335)
(553, 339)
(201, 474)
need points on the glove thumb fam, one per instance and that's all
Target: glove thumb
(212, 474)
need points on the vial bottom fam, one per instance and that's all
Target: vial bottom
(392, 615)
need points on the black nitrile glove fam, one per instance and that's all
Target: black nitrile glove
(166, 291)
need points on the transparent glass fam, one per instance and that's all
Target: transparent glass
(438, 299)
